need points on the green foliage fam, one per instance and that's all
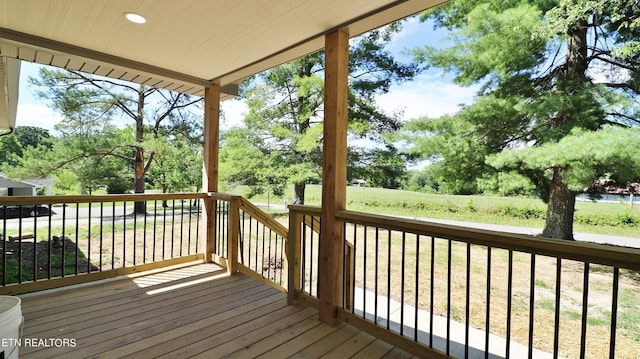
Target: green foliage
(177, 163)
(10, 151)
(585, 155)
(384, 168)
(119, 185)
(102, 155)
(506, 184)
(547, 70)
(30, 136)
(66, 183)
(422, 181)
(285, 118)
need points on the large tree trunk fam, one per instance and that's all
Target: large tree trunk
(139, 167)
(139, 207)
(562, 202)
(298, 193)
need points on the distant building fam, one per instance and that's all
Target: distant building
(359, 183)
(9, 187)
(606, 190)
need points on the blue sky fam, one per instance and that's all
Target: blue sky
(429, 94)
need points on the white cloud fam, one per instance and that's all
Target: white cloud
(37, 115)
(429, 95)
(234, 112)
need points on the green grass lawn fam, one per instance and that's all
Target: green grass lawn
(590, 217)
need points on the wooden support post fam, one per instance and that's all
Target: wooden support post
(233, 235)
(334, 175)
(293, 256)
(210, 166)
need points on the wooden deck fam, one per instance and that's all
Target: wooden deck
(191, 312)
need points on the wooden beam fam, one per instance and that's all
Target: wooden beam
(334, 174)
(210, 166)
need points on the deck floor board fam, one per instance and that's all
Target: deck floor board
(192, 312)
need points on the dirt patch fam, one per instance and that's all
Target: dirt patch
(45, 259)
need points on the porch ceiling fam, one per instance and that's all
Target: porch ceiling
(184, 45)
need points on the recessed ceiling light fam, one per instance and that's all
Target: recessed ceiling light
(133, 17)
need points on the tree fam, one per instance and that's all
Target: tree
(33, 136)
(10, 150)
(380, 167)
(550, 70)
(88, 101)
(177, 163)
(285, 108)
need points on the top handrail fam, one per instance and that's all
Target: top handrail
(261, 216)
(617, 256)
(28, 200)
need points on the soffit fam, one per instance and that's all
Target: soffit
(186, 44)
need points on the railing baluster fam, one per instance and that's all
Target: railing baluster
(164, 230)
(375, 313)
(467, 323)
(262, 239)
(20, 246)
(355, 274)
(173, 230)
(364, 268)
(585, 303)
(144, 234)
(448, 351)
(77, 264)
(199, 212)
(155, 226)
(101, 232)
(614, 313)
(113, 234)
(388, 279)
(282, 261)
(181, 226)
(488, 308)
(556, 324)
(35, 244)
(269, 256)
(532, 291)
(256, 240)
(402, 276)
(49, 233)
(509, 299)
(311, 265)
(135, 232)
(124, 234)
(62, 238)
(89, 238)
(417, 288)
(242, 232)
(431, 295)
(4, 246)
(249, 240)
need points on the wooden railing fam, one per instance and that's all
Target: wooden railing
(433, 290)
(61, 240)
(250, 241)
(446, 291)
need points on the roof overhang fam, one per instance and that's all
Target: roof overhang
(184, 46)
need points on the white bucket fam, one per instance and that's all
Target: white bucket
(10, 326)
